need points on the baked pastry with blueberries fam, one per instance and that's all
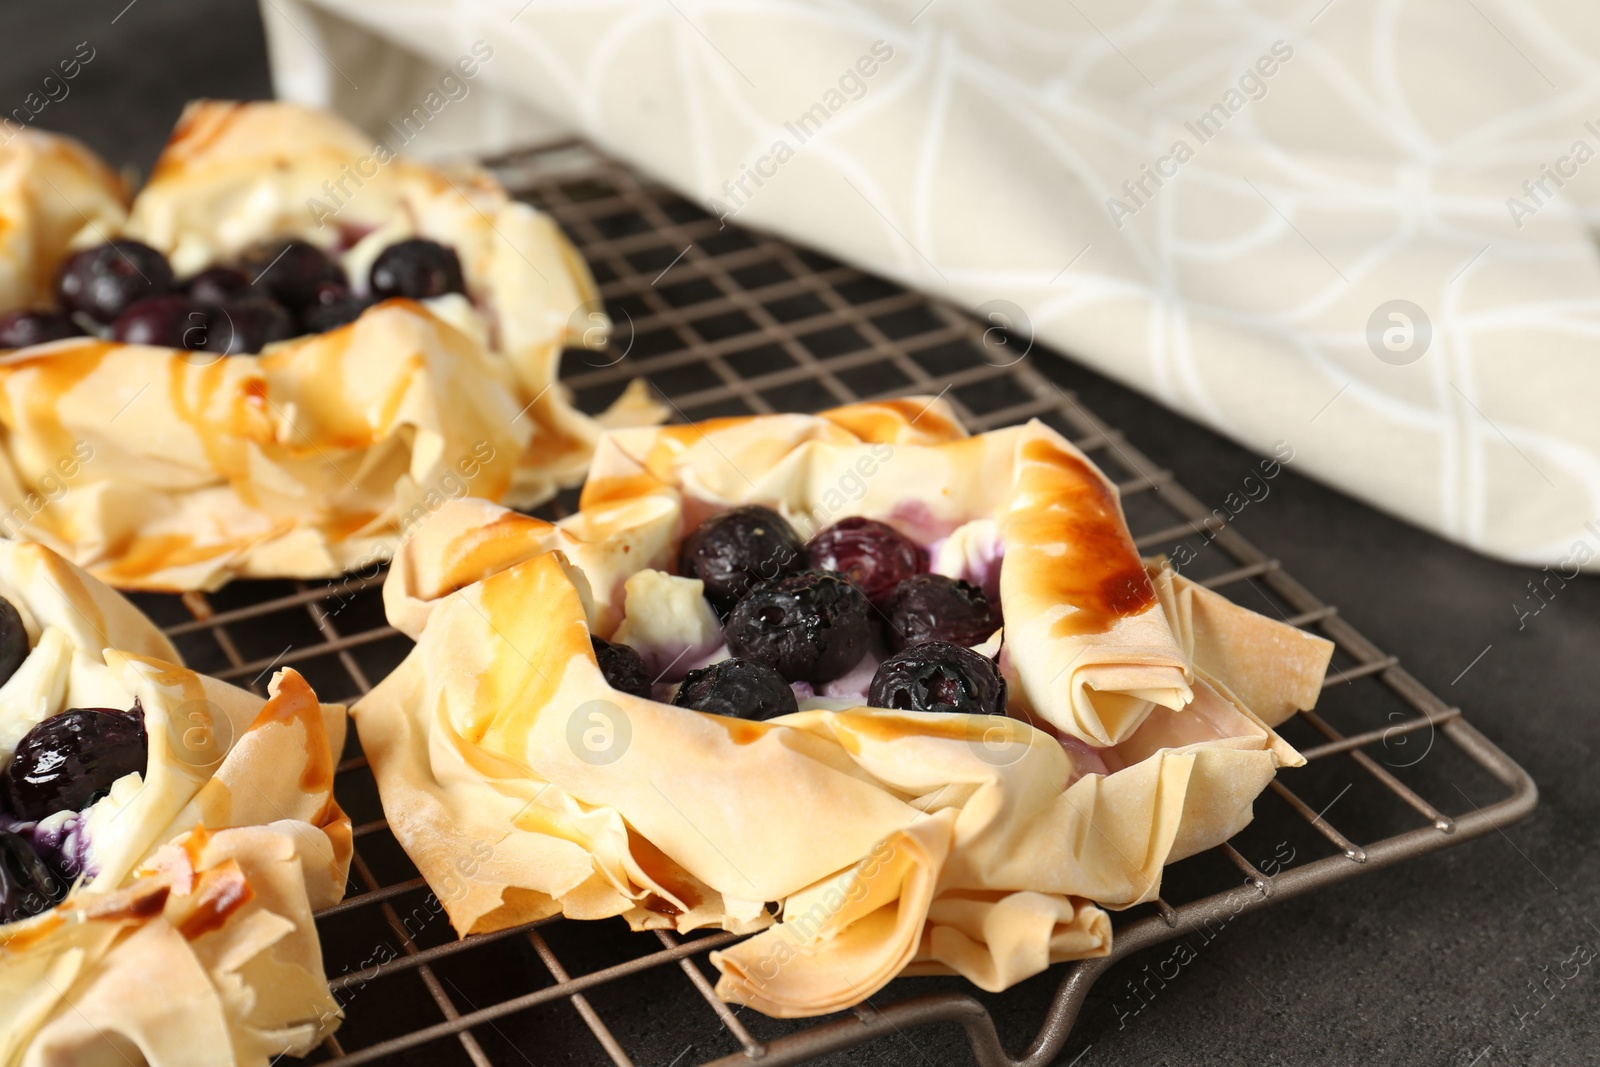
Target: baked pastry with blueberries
(164, 839)
(256, 387)
(916, 687)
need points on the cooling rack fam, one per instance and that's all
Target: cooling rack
(724, 322)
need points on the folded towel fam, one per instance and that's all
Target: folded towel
(1359, 231)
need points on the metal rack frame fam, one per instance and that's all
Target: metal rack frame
(724, 321)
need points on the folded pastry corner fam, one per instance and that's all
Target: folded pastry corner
(855, 843)
(163, 904)
(1090, 645)
(213, 948)
(54, 193)
(1274, 669)
(236, 174)
(160, 468)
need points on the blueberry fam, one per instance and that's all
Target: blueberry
(27, 885)
(810, 627)
(931, 607)
(13, 640)
(874, 555)
(70, 760)
(737, 688)
(243, 326)
(417, 268)
(19, 329)
(332, 306)
(623, 668)
(737, 550)
(216, 284)
(939, 676)
(290, 271)
(103, 281)
(171, 321)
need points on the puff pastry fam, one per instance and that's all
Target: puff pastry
(188, 935)
(162, 469)
(51, 189)
(892, 842)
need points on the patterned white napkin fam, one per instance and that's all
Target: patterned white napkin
(1354, 231)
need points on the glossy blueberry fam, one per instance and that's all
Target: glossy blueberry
(738, 688)
(873, 554)
(333, 305)
(417, 268)
(939, 676)
(27, 885)
(19, 329)
(809, 627)
(244, 326)
(13, 640)
(931, 607)
(102, 282)
(290, 271)
(70, 760)
(623, 668)
(216, 284)
(171, 321)
(737, 550)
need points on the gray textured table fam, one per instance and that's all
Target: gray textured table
(1426, 963)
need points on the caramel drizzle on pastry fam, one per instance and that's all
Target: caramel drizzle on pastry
(1067, 524)
(197, 129)
(147, 555)
(19, 937)
(295, 707)
(32, 389)
(903, 420)
(537, 614)
(223, 891)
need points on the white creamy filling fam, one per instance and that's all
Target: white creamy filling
(667, 620)
(971, 553)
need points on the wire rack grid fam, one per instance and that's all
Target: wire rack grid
(724, 321)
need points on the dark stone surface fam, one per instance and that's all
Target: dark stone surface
(1423, 963)
(156, 56)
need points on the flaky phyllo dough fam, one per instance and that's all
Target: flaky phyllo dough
(161, 469)
(857, 843)
(187, 935)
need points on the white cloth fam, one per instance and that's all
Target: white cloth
(1357, 152)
